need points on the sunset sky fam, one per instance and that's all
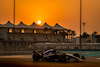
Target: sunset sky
(64, 12)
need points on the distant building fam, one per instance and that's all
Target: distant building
(89, 39)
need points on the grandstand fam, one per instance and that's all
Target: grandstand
(23, 37)
(33, 32)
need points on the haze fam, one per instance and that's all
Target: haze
(64, 12)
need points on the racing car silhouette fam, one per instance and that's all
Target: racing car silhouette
(53, 55)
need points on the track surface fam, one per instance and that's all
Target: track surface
(26, 61)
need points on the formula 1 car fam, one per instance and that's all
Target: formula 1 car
(53, 55)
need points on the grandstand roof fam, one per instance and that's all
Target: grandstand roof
(33, 25)
(46, 26)
(57, 26)
(8, 24)
(21, 25)
(1, 25)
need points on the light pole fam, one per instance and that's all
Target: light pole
(80, 20)
(14, 27)
(14, 23)
(84, 27)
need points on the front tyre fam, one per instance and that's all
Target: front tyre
(82, 57)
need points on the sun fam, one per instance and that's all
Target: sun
(39, 22)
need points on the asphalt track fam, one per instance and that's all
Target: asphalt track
(26, 61)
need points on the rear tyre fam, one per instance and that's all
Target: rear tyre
(36, 57)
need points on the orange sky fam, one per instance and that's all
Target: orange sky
(64, 12)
